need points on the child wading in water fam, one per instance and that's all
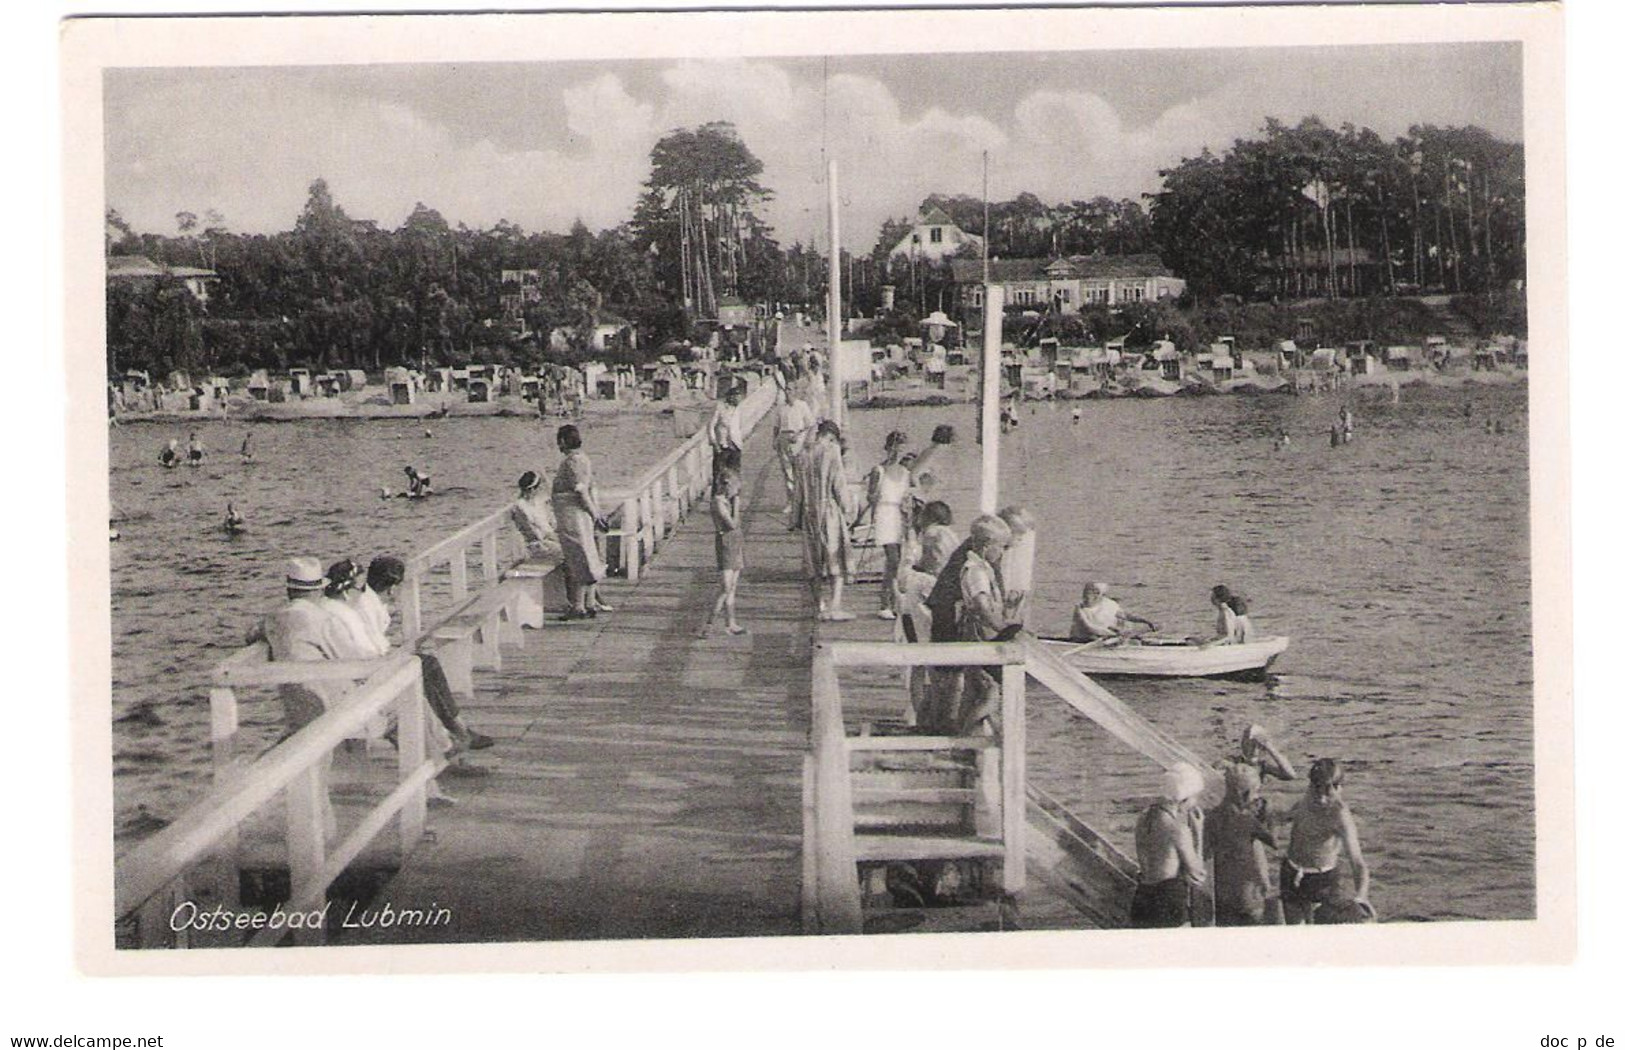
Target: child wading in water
(725, 508)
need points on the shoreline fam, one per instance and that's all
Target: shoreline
(908, 394)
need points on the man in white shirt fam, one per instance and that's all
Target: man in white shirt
(1098, 617)
(793, 425)
(301, 631)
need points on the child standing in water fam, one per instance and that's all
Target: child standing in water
(725, 514)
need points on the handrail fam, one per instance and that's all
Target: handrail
(829, 830)
(391, 684)
(159, 860)
(833, 892)
(643, 522)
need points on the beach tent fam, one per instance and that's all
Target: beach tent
(402, 386)
(299, 383)
(1397, 358)
(259, 385)
(1324, 359)
(1288, 354)
(459, 379)
(1166, 355)
(480, 389)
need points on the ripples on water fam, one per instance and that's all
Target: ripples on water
(1399, 565)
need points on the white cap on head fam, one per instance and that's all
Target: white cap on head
(305, 574)
(1182, 782)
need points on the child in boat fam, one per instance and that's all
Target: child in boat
(1241, 626)
(1224, 626)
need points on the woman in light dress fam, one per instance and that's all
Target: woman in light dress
(889, 487)
(575, 509)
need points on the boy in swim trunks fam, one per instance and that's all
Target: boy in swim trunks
(1322, 830)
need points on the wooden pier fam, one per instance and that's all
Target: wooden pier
(648, 780)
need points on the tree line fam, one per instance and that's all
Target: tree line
(1299, 212)
(1311, 211)
(341, 292)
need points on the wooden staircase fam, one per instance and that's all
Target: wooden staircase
(937, 833)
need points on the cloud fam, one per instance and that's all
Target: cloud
(249, 144)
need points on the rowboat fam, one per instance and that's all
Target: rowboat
(1170, 658)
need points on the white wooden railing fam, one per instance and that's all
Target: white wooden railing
(150, 884)
(662, 496)
(832, 847)
(463, 622)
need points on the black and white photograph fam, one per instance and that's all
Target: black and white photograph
(760, 490)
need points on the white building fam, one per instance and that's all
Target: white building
(934, 237)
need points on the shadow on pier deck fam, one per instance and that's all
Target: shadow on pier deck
(645, 782)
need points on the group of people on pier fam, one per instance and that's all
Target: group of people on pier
(344, 613)
(1176, 841)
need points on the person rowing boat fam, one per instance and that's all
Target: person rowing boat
(1097, 618)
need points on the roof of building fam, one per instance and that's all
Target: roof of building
(141, 266)
(1085, 267)
(935, 217)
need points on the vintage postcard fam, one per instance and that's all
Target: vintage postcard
(775, 490)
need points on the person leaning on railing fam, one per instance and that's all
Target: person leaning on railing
(304, 631)
(301, 631)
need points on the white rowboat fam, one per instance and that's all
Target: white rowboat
(1150, 658)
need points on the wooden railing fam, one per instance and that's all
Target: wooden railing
(662, 496)
(832, 847)
(151, 881)
(831, 897)
(463, 622)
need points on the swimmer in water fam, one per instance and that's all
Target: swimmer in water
(1077, 415)
(234, 520)
(428, 433)
(246, 452)
(171, 455)
(1282, 439)
(417, 485)
(194, 451)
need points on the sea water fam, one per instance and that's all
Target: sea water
(1398, 564)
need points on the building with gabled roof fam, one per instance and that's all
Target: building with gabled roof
(141, 268)
(934, 236)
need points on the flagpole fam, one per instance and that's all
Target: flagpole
(837, 370)
(992, 346)
(992, 343)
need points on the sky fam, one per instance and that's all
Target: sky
(545, 144)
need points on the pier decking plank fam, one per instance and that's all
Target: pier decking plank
(645, 782)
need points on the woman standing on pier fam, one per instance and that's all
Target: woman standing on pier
(575, 508)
